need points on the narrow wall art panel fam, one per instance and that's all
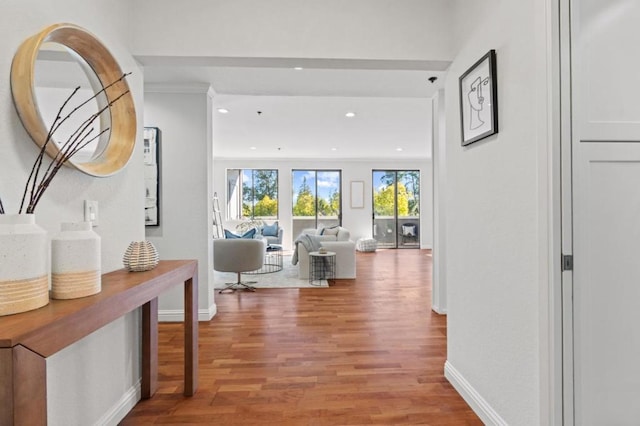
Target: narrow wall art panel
(152, 176)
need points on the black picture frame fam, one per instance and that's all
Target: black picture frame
(479, 100)
(152, 176)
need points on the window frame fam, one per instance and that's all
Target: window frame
(316, 171)
(239, 199)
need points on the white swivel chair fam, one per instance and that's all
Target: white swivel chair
(238, 255)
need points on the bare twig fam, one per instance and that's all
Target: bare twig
(98, 93)
(33, 176)
(76, 141)
(52, 129)
(51, 171)
(79, 139)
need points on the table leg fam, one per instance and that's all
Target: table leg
(6, 386)
(191, 335)
(149, 383)
(23, 387)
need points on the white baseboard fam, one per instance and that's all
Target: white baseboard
(207, 314)
(129, 399)
(478, 404)
(132, 396)
(177, 315)
(438, 310)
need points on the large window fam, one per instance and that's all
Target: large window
(317, 200)
(252, 194)
(396, 208)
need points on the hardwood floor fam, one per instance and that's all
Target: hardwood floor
(362, 352)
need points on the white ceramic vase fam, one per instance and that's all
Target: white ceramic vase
(24, 277)
(75, 262)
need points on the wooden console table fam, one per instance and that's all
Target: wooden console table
(27, 339)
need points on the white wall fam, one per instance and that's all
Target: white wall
(493, 224)
(406, 30)
(185, 230)
(358, 221)
(99, 373)
(468, 16)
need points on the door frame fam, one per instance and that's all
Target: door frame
(566, 372)
(395, 196)
(556, 370)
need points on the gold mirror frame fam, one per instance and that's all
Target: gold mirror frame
(123, 114)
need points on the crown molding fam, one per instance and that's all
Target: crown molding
(204, 88)
(327, 159)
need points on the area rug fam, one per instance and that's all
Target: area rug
(287, 278)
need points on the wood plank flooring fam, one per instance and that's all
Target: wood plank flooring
(363, 352)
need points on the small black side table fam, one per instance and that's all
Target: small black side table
(322, 266)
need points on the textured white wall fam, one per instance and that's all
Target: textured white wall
(185, 230)
(90, 377)
(406, 30)
(493, 218)
(358, 221)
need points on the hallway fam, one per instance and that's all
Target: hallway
(362, 352)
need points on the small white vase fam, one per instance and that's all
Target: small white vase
(24, 277)
(75, 262)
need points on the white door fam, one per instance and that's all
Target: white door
(606, 290)
(604, 341)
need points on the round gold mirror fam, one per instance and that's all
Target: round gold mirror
(44, 72)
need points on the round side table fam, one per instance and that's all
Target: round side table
(272, 261)
(322, 266)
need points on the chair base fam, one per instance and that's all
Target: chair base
(239, 285)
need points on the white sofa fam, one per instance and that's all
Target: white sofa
(339, 243)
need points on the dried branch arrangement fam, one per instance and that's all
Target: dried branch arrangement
(39, 180)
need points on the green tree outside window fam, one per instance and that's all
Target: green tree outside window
(305, 204)
(384, 201)
(259, 192)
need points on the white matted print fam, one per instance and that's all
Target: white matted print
(479, 100)
(151, 176)
(357, 194)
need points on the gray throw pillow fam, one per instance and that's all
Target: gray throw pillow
(331, 231)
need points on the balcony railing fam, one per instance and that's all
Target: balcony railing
(390, 233)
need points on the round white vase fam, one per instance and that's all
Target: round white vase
(75, 262)
(24, 277)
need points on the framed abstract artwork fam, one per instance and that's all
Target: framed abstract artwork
(479, 100)
(151, 176)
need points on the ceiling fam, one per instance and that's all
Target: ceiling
(277, 111)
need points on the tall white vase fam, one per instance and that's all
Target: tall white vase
(24, 277)
(75, 262)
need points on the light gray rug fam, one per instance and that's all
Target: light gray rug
(287, 278)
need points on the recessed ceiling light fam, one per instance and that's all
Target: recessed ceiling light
(253, 148)
(298, 68)
(350, 114)
(334, 149)
(398, 149)
(223, 110)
